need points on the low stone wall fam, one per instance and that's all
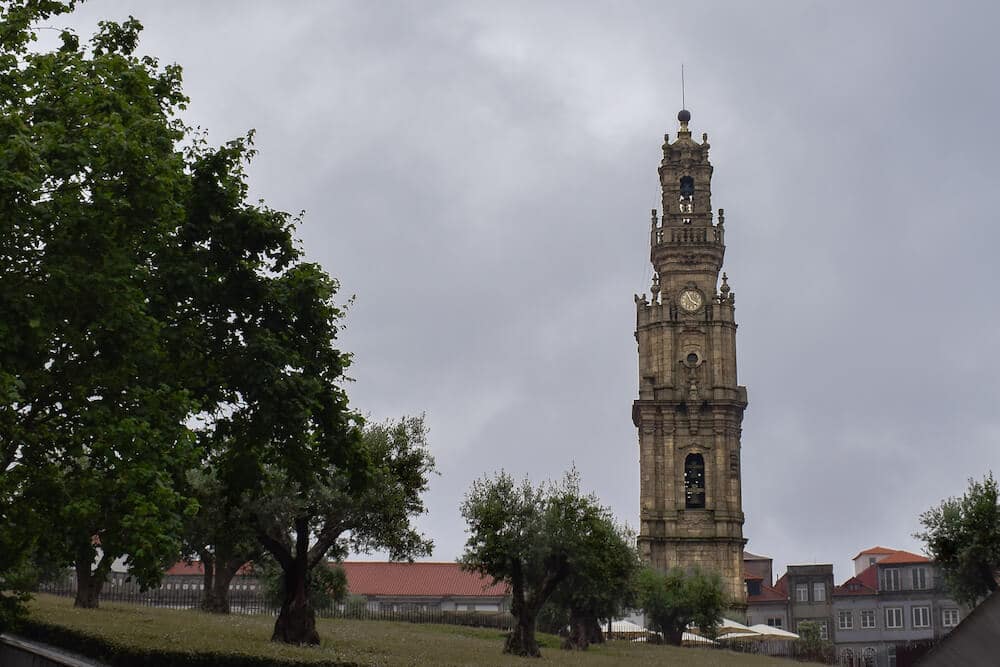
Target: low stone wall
(17, 652)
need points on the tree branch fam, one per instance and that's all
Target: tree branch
(280, 551)
(326, 539)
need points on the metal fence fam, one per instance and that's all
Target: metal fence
(245, 597)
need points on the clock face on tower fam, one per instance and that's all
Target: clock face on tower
(690, 300)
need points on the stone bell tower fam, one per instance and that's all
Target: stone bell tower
(690, 406)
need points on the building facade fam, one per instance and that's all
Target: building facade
(810, 589)
(690, 406)
(896, 600)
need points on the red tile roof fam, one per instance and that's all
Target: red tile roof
(781, 585)
(865, 583)
(874, 551)
(194, 568)
(752, 577)
(768, 594)
(903, 558)
(418, 579)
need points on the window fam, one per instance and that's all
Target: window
(872, 560)
(889, 579)
(777, 622)
(687, 187)
(824, 630)
(694, 481)
(753, 587)
(949, 618)
(919, 578)
(802, 592)
(894, 617)
(867, 619)
(847, 657)
(890, 653)
(845, 620)
(819, 592)
(920, 617)
(868, 656)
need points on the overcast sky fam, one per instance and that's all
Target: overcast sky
(480, 176)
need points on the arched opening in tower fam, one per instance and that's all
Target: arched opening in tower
(694, 481)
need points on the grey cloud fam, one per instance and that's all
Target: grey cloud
(480, 175)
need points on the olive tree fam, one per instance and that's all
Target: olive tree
(533, 539)
(673, 600)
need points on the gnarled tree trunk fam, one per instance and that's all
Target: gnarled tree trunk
(521, 641)
(584, 630)
(674, 635)
(296, 622)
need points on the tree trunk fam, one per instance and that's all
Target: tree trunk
(218, 577)
(89, 583)
(296, 622)
(579, 637)
(674, 636)
(211, 600)
(595, 635)
(521, 641)
(584, 630)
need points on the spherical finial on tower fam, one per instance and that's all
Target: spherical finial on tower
(684, 115)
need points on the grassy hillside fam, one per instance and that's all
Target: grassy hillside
(347, 641)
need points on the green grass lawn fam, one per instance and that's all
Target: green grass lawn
(348, 641)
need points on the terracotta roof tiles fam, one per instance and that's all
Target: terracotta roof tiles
(418, 579)
(903, 558)
(865, 583)
(768, 594)
(874, 551)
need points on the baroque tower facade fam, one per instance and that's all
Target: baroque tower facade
(690, 406)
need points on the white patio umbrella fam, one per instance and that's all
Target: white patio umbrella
(691, 639)
(626, 626)
(729, 625)
(771, 632)
(740, 635)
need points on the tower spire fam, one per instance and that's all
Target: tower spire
(683, 102)
(683, 115)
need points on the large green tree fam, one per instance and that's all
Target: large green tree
(962, 536)
(92, 188)
(151, 315)
(675, 599)
(534, 539)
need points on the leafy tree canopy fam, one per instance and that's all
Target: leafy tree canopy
(962, 536)
(301, 525)
(92, 192)
(533, 538)
(601, 584)
(673, 600)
